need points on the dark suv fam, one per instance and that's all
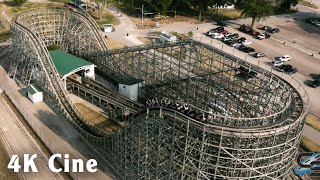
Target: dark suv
(246, 49)
(219, 29)
(286, 68)
(222, 23)
(315, 83)
(274, 30)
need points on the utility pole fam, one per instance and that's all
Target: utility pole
(142, 15)
(132, 6)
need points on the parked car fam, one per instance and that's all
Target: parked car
(277, 63)
(219, 29)
(222, 23)
(246, 42)
(224, 32)
(255, 33)
(246, 49)
(261, 36)
(266, 28)
(244, 29)
(210, 33)
(235, 35)
(235, 44)
(266, 35)
(240, 40)
(228, 42)
(258, 54)
(228, 34)
(286, 68)
(317, 76)
(274, 30)
(315, 83)
(217, 36)
(285, 58)
(249, 50)
(224, 39)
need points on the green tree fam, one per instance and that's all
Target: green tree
(161, 6)
(100, 4)
(218, 3)
(286, 4)
(201, 5)
(18, 2)
(257, 9)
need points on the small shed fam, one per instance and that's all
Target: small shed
(107, 28)
(167, 37)
(130, 89)
(34, 94)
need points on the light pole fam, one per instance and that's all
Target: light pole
(141, 9)
(132, 6)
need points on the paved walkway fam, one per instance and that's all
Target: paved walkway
(19, 142)
(121, 30)
(312, 134)
(54, 130)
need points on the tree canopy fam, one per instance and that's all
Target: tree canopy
(257, 9)
(18, 2)
(161, 6)
(286, 4)
(201, 5)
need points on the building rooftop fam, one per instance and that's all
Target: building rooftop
(31, 89)
(66, 63)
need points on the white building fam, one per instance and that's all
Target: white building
(34, 94)
(107, 28)
(167, 37)
(130, 89)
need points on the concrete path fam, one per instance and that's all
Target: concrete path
(125, 27)
(19, 142)
(312, 134)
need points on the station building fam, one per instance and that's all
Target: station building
(67, 65)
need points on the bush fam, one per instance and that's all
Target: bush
(190, 34)
(53, 47)
(18, 2)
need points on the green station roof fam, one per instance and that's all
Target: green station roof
(65, 63)
(31, 89)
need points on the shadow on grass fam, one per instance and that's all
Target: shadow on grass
(4, 36)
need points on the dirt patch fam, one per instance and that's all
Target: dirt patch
(107, 18)
(115, 44)
(152, 22)
(308, 4)
(97, 119)
(313, 121)
(146, 40)
(308, 145)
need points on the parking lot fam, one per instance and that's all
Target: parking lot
(292, 40)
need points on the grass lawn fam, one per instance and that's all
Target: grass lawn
(60, 1)
(308, 145)
(308, 4)
(28, 6)
(100, 121)
(313, 121)
(4, 25)
(224, 14)
(107, 18)
(4, 36)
